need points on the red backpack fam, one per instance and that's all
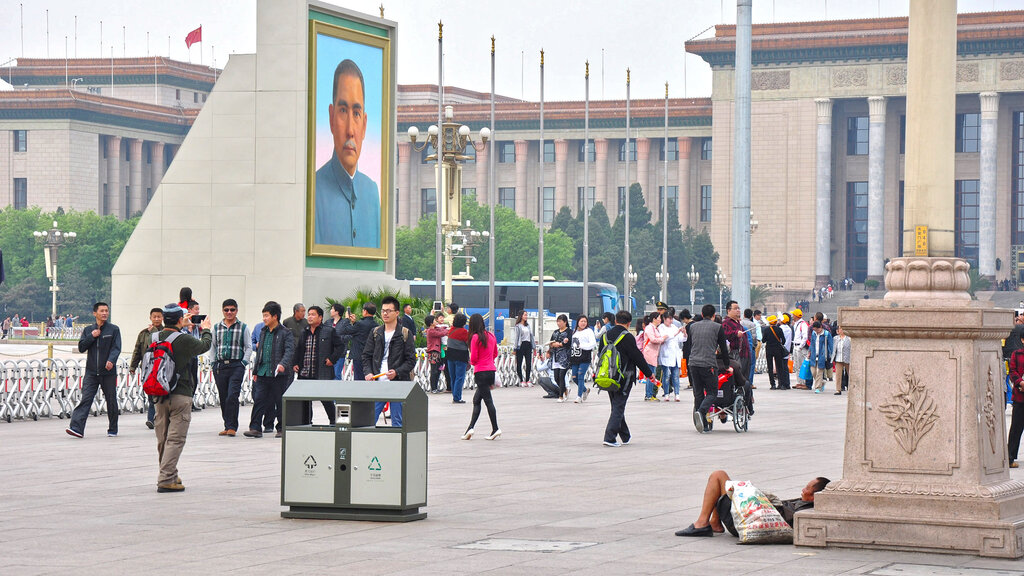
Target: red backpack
(158, 371)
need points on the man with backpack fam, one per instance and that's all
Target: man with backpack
(174, 410)
(619, 359)
(101, 343)
(390, 354)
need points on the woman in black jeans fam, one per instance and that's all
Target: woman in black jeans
(523, 345)
(561, 341)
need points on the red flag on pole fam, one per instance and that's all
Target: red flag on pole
(193, 37)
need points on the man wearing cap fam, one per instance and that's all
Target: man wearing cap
(775, 354)
(801, 340)
(174, 411)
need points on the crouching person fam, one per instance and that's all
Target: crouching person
(174, 411)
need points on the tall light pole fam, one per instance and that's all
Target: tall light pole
(720, 280)
(450, 145)
(52, 240)
(631, 278)
(693, 276)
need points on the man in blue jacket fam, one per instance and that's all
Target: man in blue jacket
(820, 354)
(101, 343)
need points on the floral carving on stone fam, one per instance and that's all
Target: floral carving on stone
(910, 412)
(1013, 70)
(989, 412)
(770, 80)
(896, 75)
(967, 72)
(927, 277)
(846, 77)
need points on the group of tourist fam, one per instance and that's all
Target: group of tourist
(10, 323)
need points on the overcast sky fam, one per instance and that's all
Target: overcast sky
(645, 35)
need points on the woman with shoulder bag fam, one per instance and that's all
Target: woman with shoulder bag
(522, 343)
(483, 349)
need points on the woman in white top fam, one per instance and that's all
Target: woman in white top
(583, 344)
(841, 356)
(522, 343)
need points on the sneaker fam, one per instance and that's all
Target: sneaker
(665, 398)
(677, 397)
(611, 444)
(150, 425)
(73, 433)
(171, 487)
(698, 421)
(561, 399)
(495, 435)
(586, 392)
(626, 442)
(817, 391)
(468, 435)
(111, 434)
(578, 400)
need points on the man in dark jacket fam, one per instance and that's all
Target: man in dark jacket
(318, 350)
(101, 342)
(390, 352)
(174, 411)
(142, 342)
(359, 331)
(273, 355)
(338, 321)
(407, 320)
(705, 347)
(632, 360)
(775, 354)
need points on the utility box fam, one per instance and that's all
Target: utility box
(356, 469)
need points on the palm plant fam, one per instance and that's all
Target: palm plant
(420, 306)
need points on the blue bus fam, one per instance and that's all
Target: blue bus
(512, 297)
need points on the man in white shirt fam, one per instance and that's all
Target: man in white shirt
(801, 334)
(670, 355)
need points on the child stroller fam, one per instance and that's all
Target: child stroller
(729, 404)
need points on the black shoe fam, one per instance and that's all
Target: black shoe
(252, 434)
(149, 424)
(691, 531)
(458, 401)
(268, 430)
(551, 396)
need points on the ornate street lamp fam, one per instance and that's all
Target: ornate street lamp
(52, 240)
(693, 276)
(720, 280)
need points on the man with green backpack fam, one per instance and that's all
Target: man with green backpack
(617, 363)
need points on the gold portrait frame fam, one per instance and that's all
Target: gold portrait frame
(317, 28)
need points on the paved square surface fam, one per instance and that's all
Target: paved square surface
(90, 506)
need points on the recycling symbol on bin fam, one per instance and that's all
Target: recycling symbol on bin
(375, 464)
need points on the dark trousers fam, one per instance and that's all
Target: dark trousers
(258, 391)
(228, 377)
(435, 374)
(705, 384)
(560, 379)
(1016, 428)
(268, 402)
(524, 355)
(617, 427)
(780, 375)
(484, 381)
(357, 368)
(91, 383)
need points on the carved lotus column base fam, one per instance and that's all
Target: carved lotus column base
(925, 464)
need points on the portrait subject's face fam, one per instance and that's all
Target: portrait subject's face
(348, 121)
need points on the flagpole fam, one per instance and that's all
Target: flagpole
(490, 202)
(625, 253)
(76, 35)
(540, 213)
(437, 165)
(664, 211)
(586, 188)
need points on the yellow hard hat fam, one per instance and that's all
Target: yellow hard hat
(798, 313)
(785, 318)
(773, 319)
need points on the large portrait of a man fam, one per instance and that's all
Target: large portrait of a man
(350, 113)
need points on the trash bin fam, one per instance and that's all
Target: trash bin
(355, 469)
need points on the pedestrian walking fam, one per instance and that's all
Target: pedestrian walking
(1017, 417)
(705, 348)
(522, 343)
(483, 349)
(820, 354)
(559, 345)
(650, 349)
(616, 432)
(231, 348)
(101, 343)
(580, 352)
(457, 357)
(841, 357)
(142, 342)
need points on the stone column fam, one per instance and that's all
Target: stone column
(406, 195)
(525, 204)
(987, 186)
(157, 152)
(601, 193)
(643, 176)
(114, 193)
(135, 202)
(482, 166)
(876, 186)
(683, 204)
(823, 186)
(561, 168)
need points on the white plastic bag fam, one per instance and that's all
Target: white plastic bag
(756, 519)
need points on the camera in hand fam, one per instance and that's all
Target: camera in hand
(197, 319)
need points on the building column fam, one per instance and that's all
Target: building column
(405, 191)
(561, 171)
(157, 152)
(683, 203)
(135, 201)
(524, 206)
(601, 193)
(876, 186)
(482, 169)
(643, 176)
(823, 187)
(114, 193)
(987, 186)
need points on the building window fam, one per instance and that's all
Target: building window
(204, 98)
(507, 197)
(968, 132)
(149, 195)
(549, 151)
(632, 151)
(103, 207)
(903, 135)
(548, 204)
(149, 153)
(590, 197)
(20, 193)
(705, 149)
(857, 230)
(428, 150)
(128, 152)
(469, 193)
(195, 97)
(966, 221)
(673, 197)
(705, 203)
(20, 140)
(177, 94)
(591, 152)
(506, 152)
(673, 149)
(428, 201)
(857, 136)
(622, 200)
(1017, 183)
